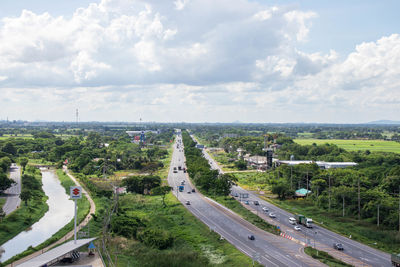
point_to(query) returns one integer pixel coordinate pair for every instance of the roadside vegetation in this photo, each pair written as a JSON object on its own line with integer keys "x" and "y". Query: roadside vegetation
{"x": 148, "y": 234}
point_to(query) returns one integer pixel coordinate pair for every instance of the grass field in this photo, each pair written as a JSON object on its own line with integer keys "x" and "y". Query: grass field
{"x": 355, "y": 145}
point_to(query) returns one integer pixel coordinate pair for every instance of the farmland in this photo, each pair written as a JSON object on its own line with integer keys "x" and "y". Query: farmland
{"x": 355, "y": 145}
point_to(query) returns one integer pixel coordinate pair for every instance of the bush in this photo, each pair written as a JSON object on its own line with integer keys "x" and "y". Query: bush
{"x": 155, "y": 238}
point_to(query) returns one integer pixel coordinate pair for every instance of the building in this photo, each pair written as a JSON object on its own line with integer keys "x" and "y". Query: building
{"x": 321, "y": 164}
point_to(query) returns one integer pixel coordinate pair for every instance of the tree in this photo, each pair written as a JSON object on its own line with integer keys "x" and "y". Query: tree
{"x": 161, "y": 190}
{"x": 282, "y": 189}
{"x": 9, "y": 148}
{"x": 222, "y": 185}
{"x": 23, "y": 162}
{"x": 5, "y": 182}
{"x": 26, "y": 195}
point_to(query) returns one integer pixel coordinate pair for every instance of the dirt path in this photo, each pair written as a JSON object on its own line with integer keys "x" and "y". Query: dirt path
{"x": 69, "y": 234}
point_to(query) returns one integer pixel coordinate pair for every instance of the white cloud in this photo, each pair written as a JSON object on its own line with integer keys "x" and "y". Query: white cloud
{"x": 198, "y": 57}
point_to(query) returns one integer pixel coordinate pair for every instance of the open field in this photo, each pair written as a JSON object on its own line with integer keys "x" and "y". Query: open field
{"x": 355, "y": 145}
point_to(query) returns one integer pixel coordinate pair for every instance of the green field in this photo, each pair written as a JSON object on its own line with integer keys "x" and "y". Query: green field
{"x": 355, "y": 145}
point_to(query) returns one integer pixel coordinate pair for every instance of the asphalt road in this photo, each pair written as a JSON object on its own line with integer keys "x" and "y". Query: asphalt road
{"x": 354, "y": 252}
{"x": 12, "y": 193}
{"x": 268, "y": 249}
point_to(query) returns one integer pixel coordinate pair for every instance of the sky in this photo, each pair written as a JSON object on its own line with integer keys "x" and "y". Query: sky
{"x": 200, "y": 60}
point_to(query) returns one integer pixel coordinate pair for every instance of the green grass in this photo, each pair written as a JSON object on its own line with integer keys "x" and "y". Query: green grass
{"x": 83, "y": 209}
{"x": 23, "y": 217}
{"x": 362, "y": 231}
{"x": 163, "y": 172}
{"x": 355, "y": 145}
{"x": 324, "y": 257}
{"x": 2, "y": 202}
{"x": 194, "y": 244}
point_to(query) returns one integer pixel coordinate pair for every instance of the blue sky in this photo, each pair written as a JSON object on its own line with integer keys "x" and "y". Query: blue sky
{"x": 200, "y": 60}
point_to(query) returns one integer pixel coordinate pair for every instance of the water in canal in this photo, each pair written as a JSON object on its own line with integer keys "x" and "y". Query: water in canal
{"x": 61, "y": 212}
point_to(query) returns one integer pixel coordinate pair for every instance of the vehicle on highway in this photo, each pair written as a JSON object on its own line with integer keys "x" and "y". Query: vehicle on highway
{"x": 174, "y": 168}
{"x": 193, "y": 190}
{"x": 175, "y": 171}
{"x": 189, "y": 192}
{"x": 251, "y": 237}
{"x": 246, "y": 202}
{"x": 272, "y": 215}
{"x": 265, "y": 209}
{"x": 183, "y": 182}
{"x": 297, "y": 228}
{"x": 236, "y": 195}
{"x": 301, "y": 219}
{"x": 256, "y": 202}
{"x": 338, "y": 246}
{"x": 292, "y": 220}
{"x": 187, "y": 202}
{"x": 181, "y": 187}
{"x": 395, "y": 260}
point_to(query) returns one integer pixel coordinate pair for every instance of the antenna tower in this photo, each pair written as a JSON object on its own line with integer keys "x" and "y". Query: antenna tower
{"x": 77, "y": 115}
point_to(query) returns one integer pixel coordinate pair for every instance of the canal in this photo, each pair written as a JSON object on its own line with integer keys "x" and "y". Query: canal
{"x": 61, "y": 212}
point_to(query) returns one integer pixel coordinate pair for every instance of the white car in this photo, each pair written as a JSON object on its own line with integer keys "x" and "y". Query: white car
{"x": 297, "y": 228}
{"x": 272, "y": 215}
{"x": 265, "y": 209}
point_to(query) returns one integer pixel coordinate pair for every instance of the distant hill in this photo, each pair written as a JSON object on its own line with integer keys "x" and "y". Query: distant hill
{"x": 384, "y": 122}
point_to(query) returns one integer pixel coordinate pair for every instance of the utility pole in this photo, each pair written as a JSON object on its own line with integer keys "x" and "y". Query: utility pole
{"x": 307, "y": 185}
{"x": 359, "y": 200}
{"x": 329, "y": 192}
{"x": 377, "y": 223}
{"x": 343, "y": 205}
{"x": 399, "y": 208}
{"x": 291, "y": 177}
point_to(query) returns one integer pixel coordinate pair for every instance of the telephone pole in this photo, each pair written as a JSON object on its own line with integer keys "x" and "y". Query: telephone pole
{"x": 359, "y": 200}
{"x": 329, "y": 192}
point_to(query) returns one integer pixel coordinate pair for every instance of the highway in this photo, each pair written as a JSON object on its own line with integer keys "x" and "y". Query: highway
{"x": 354, "y": 252}
{"x": 267, "y": 249}
{"x": 13, "y": 200}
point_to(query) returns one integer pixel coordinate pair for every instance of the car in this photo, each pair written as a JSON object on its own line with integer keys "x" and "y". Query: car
{"x": 272, "y": 215}
{"x": 297, "y": 228}
{"x": 251, "y": 237}
{"x": 338, "y": 246}
{"x": 265, "y": 209}
{"x": 246, "y": 202}
{"x": 189, "y": 192}
{"x": 187, "y": 202}
{"x": 193, "y": 190}
{"x": 292, "y": 220}
{"x": 175, "y": 171}
{"x": 256, "y": 202}
{"x": 183, "y": 182}
{"x": 236, "y": 195}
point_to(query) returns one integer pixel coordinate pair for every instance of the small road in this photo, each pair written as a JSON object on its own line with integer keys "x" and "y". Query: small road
{"x": 268, "y": 249}
{"x": 354, "y": 253}
{"x": 69, "y": 234}
{"x": 12, "y": 194}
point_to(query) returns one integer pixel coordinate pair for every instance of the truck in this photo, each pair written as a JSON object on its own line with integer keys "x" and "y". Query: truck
{"x": 181, "y": 188}
{"x": 301, "y": 219}
{"x": 395, "y": 260}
